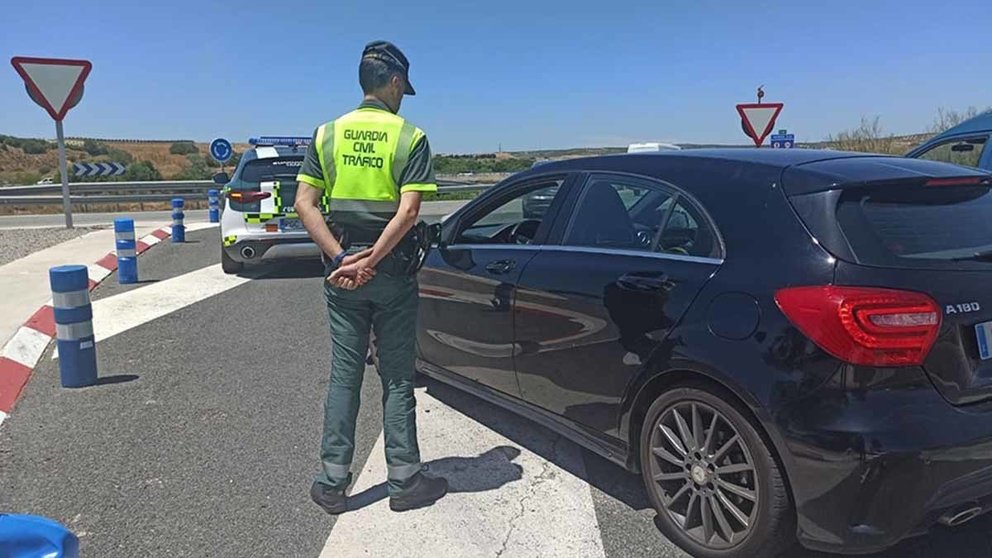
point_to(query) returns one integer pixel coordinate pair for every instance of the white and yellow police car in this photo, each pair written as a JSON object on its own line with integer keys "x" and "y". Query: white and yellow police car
{"x": 258, "y": 222}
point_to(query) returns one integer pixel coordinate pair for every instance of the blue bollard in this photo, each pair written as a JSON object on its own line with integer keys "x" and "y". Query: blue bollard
{"x": 178, "y": 229}
{"x": 213, "y": 203}
{"x": 73, "y": 325}
{"x": 30, "y": 536}
{"x": 127, "y": 251}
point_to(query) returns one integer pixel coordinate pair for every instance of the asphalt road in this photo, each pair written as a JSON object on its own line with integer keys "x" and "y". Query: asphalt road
{"x": 201, "y": 439}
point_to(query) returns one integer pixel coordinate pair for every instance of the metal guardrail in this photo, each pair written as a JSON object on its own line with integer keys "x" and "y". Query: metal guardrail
{"x": 133, "y": 192}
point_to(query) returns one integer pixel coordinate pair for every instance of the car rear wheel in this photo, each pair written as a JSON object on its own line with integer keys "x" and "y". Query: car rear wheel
{"x": 228, "y": 265}
{"x": 712, "y": 479}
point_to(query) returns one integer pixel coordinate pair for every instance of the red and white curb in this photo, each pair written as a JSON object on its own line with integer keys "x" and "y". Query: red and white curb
{"x": 20, "y": 355}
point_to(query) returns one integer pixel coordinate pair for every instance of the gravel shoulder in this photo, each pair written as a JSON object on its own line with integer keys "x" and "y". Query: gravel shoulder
{"x": 17, "y": 243}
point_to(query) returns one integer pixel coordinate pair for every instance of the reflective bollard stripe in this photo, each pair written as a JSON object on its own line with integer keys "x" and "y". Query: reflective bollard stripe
{"x": 73, "y": 299}
{"x": 73, "y": 332}
{"x": 73, "y": 325}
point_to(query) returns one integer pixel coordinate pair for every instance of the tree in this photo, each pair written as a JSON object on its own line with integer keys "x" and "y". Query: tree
{"x": 947, "y": 119}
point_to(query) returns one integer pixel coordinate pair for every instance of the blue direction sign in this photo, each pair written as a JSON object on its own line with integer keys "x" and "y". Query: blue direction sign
{"x": 98, "y": 169}
{"x": 783, "y": 140}
{"x": 221, "y": 150}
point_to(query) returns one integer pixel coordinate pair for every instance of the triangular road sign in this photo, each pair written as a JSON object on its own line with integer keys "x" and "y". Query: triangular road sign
{"x": 55, "y": 84}
{"x": 759, "y": 119}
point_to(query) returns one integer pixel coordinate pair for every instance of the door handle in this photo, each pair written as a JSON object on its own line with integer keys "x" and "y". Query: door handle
{"x": 643, "y": 283}
{"x": 499, "y": 267}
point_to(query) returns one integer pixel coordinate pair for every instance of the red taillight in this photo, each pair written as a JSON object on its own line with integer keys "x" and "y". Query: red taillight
{"x": 241, "y": 196}
{"x": 963, "y": 181}
{"x": 864, "y": 325}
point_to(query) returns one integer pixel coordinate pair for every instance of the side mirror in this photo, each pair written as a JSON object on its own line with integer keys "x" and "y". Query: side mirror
{"x": 221, "y": 178}
{"x": 962, "y": 147}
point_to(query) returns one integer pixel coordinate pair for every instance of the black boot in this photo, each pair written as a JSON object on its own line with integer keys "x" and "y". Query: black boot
{"x": 332, "y": 500}
{"x": 421, "y": 492}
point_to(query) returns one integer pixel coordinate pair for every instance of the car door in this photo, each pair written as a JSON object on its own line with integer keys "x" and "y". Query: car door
{"x": 468, "y": 284}
{"x": 594, "y": 309}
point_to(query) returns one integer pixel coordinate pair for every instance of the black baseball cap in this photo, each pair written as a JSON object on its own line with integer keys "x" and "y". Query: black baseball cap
{"x": 391, "y": 55}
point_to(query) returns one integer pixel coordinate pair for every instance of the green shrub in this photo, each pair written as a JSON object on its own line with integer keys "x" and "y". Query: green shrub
{"x": 34, "y": 146}
{"x": 183, "y": 148}
{"x": 142, "y": 170}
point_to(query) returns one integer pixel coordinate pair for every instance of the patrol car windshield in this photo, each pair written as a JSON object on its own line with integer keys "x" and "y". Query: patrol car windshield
{"x": 263, "y": 170}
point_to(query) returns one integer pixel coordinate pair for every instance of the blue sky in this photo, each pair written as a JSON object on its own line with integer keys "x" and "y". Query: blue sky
{"x": 524, "y": 74}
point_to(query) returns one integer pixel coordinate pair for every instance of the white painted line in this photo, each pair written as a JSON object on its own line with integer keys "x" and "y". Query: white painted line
{"x": 97, "y": 272}
{"x": 3, "y": 417}
{"x": 151, "y": 240}
{"x": 192, "y": 227}
{"x": 26, "y": 347}
{"x": 119, "y": 313}
{"x": 501, "y": 502}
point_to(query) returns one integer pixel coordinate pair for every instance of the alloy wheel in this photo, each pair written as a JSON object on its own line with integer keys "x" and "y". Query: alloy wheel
{"x": 704, "y": 475}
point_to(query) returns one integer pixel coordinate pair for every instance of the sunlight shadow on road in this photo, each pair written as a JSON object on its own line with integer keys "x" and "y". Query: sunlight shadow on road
{"x": 487, "y": 471}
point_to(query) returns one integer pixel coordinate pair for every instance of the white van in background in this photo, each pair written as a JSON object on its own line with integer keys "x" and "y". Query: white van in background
{"x": 652, "y": 146}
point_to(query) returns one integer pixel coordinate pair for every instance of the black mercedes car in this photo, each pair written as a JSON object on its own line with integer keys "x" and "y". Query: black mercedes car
{"x": 784, "y": 343}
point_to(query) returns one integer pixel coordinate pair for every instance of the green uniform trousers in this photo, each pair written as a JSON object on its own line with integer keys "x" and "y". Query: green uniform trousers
{"x": 386, "y": 305}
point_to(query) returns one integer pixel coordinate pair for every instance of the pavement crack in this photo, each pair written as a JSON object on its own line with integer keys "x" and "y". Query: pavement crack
{"x": 547, "y": 472}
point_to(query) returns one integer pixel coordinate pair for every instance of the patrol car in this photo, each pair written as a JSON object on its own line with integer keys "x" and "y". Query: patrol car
{"x": 258, "y": 221}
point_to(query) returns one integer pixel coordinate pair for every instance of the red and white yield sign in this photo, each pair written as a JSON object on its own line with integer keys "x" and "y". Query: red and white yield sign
{"x": 758, "y": 119}
{"x": 54, "y": 84}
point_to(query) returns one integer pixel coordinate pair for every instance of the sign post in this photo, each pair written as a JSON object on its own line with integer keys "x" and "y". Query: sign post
{"x": 55, "y": 85}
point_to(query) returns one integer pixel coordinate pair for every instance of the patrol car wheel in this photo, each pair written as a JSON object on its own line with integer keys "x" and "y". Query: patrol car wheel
{"x": 229, "y": 265}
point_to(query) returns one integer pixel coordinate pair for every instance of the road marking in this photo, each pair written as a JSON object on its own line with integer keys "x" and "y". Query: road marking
{"x": 26, "y": 347}
{"x": 505, "y": 500}
{"x": 128, "y": 310}
{"x": 3, "y": 417}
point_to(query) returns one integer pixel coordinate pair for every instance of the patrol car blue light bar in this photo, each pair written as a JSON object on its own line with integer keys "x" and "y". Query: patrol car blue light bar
{"x": 280, "y": 140}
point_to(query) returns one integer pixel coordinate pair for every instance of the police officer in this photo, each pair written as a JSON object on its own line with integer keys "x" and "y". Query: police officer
{"x": 374, "y": 167}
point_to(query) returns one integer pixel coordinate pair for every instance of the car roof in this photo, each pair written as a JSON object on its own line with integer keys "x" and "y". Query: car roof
{"x": 780, "y": 158}
{"x": 980, "y": 123}
{"x": 800, "y": 170}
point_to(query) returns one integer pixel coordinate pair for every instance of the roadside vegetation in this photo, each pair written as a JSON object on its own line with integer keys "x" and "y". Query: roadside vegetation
{"x": 869, "y": 136}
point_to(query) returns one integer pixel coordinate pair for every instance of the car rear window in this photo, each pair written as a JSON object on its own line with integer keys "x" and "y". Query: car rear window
{"x": 908, "y": 226}
{"x": 264, "y": 170}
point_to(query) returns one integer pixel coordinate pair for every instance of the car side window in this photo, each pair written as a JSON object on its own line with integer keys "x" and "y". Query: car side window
{"x": 513, "y": 220}
{"x": 633, "y": 214}
{"x": 966, "y": 152}
{"x": 620, "y": 213}
{"x": 687, "y": 233}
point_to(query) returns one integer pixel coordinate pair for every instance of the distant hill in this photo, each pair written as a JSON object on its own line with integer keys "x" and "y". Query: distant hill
{"x": 25, "y": 160}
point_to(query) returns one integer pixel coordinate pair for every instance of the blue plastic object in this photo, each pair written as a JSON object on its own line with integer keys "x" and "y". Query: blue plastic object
{"x": 127, "y": 251}
{"x": 213, "y": 203}
{"x": 178, "y": 229}
{"x": 73, "y": 325}
{"x": 30, "y": 536}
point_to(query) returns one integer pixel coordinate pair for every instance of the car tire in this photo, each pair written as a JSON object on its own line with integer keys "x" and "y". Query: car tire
{"x": 228, "y": 265}
{"x": 750, "y": 470}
